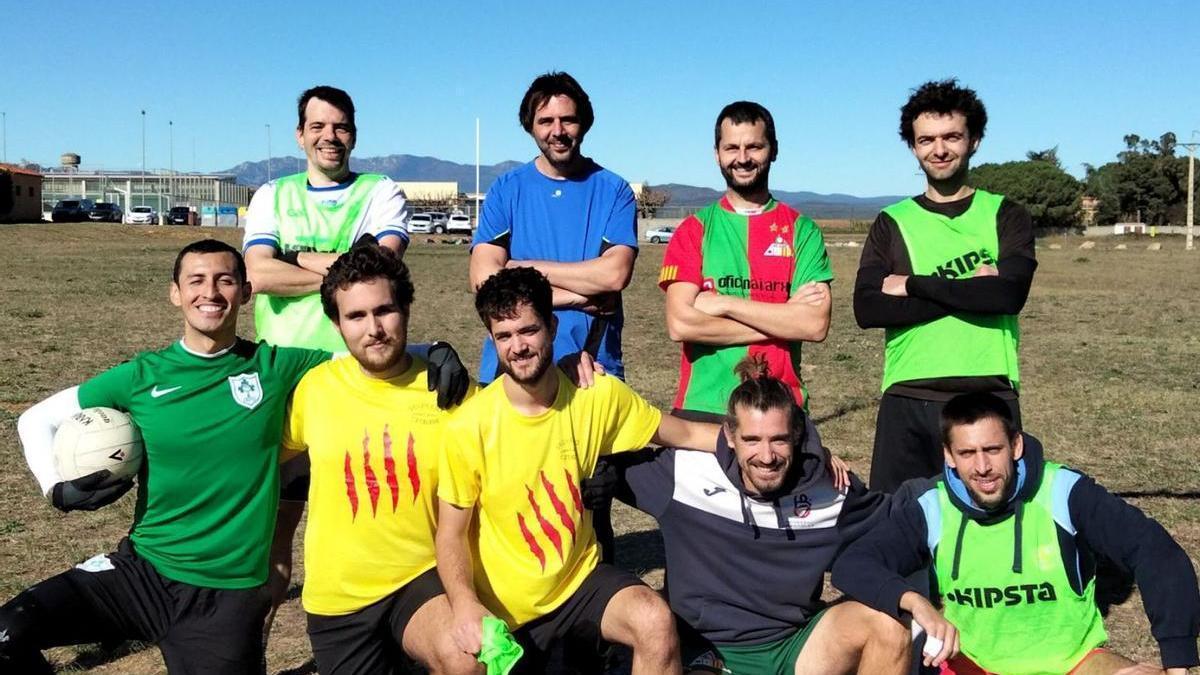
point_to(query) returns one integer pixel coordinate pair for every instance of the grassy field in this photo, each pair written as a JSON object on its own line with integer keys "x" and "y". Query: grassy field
{"x": 1111, "y": 383}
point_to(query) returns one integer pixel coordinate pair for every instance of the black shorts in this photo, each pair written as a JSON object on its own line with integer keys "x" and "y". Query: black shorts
{"x": 577, "y": 620}
{"x": 120, "y": 596}
{"x": 370, "y": 640}
{"x": 908, "y": 440}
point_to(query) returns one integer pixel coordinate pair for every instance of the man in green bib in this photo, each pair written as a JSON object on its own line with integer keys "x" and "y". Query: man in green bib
{"x": 297, "y": 225}
{"x": 1012, "y": 540}
{"x": 945, "y": 273}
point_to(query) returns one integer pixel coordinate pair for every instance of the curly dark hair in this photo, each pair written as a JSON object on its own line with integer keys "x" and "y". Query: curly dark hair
{"x": 331, "y": 95}
{"x": 943, "y": 97}
{"x": 504, "y": 291}
{"x": 363, "y": 263}
{"x": 762, "y": 391}
{"x": 548, "y": 86}
{"x": 747, "y": 112}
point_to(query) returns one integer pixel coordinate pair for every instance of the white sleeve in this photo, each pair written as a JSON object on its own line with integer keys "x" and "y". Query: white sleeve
{"x": 36, "y": 428}
{"x": 261, "y": 227}
{"x": 387, "y": 212}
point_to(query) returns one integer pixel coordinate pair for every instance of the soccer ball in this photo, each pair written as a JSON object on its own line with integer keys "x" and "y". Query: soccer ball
{"x": 95, "y": 439}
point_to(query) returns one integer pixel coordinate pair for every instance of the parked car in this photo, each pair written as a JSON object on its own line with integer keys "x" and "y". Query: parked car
{"x": 420, "y": 223}
{"x": 437, "y": 217}
{"x": 106, "y": 212}
{"x": 142, "y": 215}
{"x": 659, "y": 235}
{"x": 459, "y": 224}
{"x": 72, "y": 210}
{"x": 180, "y": 215}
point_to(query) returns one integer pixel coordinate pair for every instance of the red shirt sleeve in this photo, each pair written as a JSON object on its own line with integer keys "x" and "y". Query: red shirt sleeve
{"x": 683, "y": 260}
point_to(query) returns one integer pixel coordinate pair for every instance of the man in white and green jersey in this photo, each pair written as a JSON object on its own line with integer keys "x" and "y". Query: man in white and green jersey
{"x": 297, "y": 225}
{"x": 190, "y": 574}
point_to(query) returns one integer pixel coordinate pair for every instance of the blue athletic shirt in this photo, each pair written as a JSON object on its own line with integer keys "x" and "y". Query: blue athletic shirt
{"x": 536, "y": 217}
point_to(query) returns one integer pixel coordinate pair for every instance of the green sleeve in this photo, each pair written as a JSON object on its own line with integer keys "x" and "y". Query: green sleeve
{"x": 812, "y": 260}
{"x": 109, "y": 389}
{"x": 296, "y": 362}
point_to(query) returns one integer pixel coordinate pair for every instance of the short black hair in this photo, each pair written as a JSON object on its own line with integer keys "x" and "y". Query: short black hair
{"x": 331, "y": 95}
{"x": 503, "y": 292}
{"x": 943, "y": 97}
{"x": 363, "y": 263}
{"x": 546, "y": 87}
{"x": 747, "y": 112}
{"x": 759, "y": 390}
{"x": 967, "y": 409}
{"x": 210, "y": 246}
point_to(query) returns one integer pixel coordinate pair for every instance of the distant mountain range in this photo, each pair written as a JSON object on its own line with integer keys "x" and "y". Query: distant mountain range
{"x": 414, "y": 168}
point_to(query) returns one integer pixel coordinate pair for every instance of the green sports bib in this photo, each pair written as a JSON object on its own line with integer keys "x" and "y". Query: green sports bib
{"x": 1030, "y": 622}
{"x": 962, "y": 344}
{"x": 308, "y": 225}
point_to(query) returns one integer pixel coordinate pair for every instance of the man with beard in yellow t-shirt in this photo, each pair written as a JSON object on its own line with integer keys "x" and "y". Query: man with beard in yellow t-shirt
{"x": 373, "y": 433}
{"x": 514, "y": 456}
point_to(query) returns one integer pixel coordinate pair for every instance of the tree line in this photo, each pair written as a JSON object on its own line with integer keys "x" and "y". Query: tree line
{"x": 1146, "y": 183}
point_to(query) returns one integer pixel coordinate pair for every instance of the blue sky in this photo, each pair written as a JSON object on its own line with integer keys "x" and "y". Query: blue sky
{"x": 1076, "y": 75}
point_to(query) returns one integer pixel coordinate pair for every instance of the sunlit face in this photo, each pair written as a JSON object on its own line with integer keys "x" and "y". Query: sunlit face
{"x": 524, "y": 344}
{"x": 209, "y": 292}
{"x": 373, "y": 326}
{"x": 744, "y": 156}
{"x": 557, "y": 131}
{"x": 942, "y": 145}
{"x": 762, "y": 444}
{"x": 985, "y": 460}
{"x": 326, "y": 138}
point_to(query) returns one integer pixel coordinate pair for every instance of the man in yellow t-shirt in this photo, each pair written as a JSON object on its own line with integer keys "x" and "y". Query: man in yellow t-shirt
{"x": 373, "y": 433}
{"x": 514, "y": 456}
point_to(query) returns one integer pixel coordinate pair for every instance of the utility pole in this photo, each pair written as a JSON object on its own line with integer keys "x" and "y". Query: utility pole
{"x": 4, "y": 126}
{"x": 477, "y": 172}
{"x": 268, "y": 153}
{"x": 171, "y": 166}
{"x": 1191, "y": 213}
{"x": 143, "y": 156}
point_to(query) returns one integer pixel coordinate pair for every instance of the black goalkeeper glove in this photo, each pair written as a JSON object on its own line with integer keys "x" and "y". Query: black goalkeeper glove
{"x": 88, "y": 493}
{"x": 596, "y": 491}
{"x": 446, "y": 374}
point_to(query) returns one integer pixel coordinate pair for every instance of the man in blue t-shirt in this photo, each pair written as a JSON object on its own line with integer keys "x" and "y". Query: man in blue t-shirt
{"x": 569, "y": 218}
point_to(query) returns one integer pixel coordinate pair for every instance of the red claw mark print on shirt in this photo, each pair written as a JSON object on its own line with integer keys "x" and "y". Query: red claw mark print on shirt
{"x": 369, "y": 473}
{"x": 370, "y": 480}
{"x": 564, "y": 515}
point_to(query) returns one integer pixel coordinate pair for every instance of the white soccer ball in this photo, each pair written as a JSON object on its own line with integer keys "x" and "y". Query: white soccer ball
{"x": 95, "y": 439}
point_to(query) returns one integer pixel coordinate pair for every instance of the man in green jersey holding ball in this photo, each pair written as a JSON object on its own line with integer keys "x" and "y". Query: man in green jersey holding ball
{"x": 190, "y": 574}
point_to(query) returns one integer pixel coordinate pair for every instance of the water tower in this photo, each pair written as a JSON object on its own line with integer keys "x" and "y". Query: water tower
{"x": 69, "y": 161}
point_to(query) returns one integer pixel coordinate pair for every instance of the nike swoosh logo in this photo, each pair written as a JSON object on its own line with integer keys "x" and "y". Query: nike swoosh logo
{"x": 155, "y": 392}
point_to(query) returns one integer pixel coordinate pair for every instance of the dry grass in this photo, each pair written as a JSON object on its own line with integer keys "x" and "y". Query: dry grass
{"x": 1109, "y": 350}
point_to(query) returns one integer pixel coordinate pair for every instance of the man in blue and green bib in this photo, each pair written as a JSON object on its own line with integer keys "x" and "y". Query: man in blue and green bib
{"x": 1012, "y": 540}
{"x": 945, "y": 274}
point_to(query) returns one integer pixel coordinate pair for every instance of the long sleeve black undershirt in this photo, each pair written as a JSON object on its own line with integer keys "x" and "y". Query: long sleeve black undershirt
{"x": 933, "y": 297}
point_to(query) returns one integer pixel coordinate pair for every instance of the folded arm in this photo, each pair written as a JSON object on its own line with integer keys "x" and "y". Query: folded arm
{"x": 686, "y": 323}
{"x": 805, "y": 316}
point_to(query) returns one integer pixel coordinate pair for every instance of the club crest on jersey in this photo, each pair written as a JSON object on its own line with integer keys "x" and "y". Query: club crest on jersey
{"x": 778, "y": 249}
{"x": 247, "y": 390}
